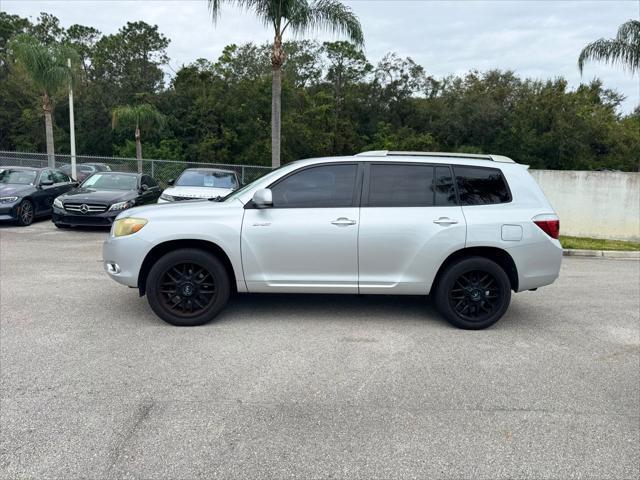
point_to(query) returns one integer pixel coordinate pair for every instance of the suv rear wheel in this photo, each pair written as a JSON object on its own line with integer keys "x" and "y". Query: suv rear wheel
{"x": 473, "y": 293}
{"x": 187, "y": 287}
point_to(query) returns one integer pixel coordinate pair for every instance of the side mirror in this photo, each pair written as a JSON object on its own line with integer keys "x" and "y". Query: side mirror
{"x": 171, "y": 181}
{"x": 263, "y": 198}
{"x": 46, "y": 183}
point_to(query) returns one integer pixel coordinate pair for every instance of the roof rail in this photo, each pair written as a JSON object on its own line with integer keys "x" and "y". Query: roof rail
{"x": 475, "y": 156}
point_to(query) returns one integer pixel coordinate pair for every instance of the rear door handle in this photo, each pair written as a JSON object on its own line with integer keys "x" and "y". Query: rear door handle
{"x": 343, "y": 222}
{"x": 445, "y": 221}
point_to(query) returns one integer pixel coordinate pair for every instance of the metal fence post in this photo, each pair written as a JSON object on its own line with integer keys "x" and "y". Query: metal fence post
{"x": 153, "y": 168}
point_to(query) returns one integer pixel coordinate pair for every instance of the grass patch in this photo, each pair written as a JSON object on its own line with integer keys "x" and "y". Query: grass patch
{"x": 597, "y": 244}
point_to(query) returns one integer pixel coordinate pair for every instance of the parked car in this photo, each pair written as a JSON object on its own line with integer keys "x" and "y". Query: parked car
{"x": 465, "y": 229}
{"x": 200, "y": 183}
{"x": 102, "y": 196}
{"x": 85, "y": 170}
{"x": 28, "y": 193}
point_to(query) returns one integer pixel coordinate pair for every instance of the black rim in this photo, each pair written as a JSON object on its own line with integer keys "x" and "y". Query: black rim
{"x": 26, "y": 213}
{"x": 475, "y": 296}
{"x": 187, "y": 289}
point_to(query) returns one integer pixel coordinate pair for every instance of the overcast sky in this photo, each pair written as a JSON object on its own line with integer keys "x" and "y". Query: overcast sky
{"x": 538, "y": 39}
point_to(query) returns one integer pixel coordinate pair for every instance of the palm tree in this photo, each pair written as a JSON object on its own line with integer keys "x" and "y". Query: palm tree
{"x": 46, "y": 65}
{"x": 624, "y": 49}
{"x": 298, "y": 16}
{"x": 139, "y": 116}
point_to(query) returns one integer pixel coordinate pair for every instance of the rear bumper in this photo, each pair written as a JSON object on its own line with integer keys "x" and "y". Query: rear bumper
{"x": 538, "y": 264}
{"x": 62, "y": 217}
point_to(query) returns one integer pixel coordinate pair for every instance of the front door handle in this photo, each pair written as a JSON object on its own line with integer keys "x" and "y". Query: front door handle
{"x": 445, "y": 221}
{"x": 343, "y": 222}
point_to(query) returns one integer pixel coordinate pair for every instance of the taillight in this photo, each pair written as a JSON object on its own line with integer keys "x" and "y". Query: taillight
{"x": 550, "y": 224}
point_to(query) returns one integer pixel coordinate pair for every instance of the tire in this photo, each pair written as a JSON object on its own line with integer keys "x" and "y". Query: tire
{"x": 473, "y": 293}
{"x": 187, "y": 287}
{"x": 25, "y": 213}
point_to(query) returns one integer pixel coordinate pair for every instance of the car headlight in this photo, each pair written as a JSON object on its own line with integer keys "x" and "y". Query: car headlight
{"x": 8, "y": 199}
{"x": 121, "y": 205}
{"x": 167, "y": 197}
{"x": 58, "y": 203}
{"x": 128, "y": 226}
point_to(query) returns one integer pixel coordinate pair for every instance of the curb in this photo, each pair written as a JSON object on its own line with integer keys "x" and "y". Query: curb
{"x": 602, "y": 253}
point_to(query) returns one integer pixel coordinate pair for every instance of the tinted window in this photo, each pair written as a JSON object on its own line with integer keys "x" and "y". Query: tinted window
{"x": 59, "y": 177}
{"x": 445, "y": 192}
{"x": 149, "y": 182}
{"x": 46, "y": 176}
{"x": 323, "y": 186}
{"x": 401, "y": 186}
{"x": 481, "y": 186}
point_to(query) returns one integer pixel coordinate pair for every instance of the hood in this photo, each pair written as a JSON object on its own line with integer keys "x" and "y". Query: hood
{"x": 186, "y": 210}
{"x": 106, "y": 197}
{"x": 15, "y": 189}
{"x": 197, "y": 192}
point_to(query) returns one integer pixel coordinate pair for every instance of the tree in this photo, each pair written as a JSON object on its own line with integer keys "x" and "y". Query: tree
{"x": 140, "y": 116}
{"x": 624, "y": 49}
{"x": 298, "y": 16}
{"x": 47, "y": 67}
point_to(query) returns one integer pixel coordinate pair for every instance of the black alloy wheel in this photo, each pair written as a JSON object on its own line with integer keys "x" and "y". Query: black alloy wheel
{"x": 473, "y": 293}
{"x": 187, "y": 287}
{"x": 26, "y": 213}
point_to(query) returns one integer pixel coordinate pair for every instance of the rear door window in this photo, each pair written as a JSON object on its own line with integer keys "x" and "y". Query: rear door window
{"x": 481, "y": 185}
{"x": 445, "y": 192}
{"x": 401, "y": 185}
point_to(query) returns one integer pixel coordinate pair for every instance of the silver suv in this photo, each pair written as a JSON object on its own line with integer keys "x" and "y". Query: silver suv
{"x": 464, "y": 229}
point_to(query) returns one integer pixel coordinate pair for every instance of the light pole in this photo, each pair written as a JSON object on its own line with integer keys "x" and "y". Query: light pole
{"x": 72, "y": 127}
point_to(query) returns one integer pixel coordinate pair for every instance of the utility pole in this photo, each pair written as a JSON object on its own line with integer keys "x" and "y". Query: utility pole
{"x": 72, "y": 126}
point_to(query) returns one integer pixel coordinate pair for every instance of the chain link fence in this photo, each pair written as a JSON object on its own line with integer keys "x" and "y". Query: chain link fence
{"x": 161, "y": 170}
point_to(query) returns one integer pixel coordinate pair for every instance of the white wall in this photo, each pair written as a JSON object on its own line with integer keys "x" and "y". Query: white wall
{"x": 594, "y": 204}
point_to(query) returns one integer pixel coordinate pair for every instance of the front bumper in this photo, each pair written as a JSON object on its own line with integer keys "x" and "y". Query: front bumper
{"x": 9, "y": 211}
{"x": 63, "y": 217}
{"x": 127, "y": 254}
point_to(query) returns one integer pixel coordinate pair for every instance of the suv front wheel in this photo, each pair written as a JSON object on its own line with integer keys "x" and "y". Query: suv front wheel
{"x": 473, "y": 293}
{"x": 187, "y": 287}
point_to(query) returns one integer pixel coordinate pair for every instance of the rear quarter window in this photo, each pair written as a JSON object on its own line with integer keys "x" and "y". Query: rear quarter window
{"x": 481, "y": 185}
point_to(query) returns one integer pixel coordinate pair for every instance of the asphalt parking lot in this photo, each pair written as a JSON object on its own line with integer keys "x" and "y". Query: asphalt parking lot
{"x": 93, "y": 385}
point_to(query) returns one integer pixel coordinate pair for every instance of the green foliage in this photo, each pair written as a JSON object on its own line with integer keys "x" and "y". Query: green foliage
{"x": 582, "y": 243}
{"x": 623, "y": 50}
{"x": 300, "y": 16}
{"x": 334, "y": 102}
{"x": 46, "y": 64}
{"x": 141, "y": 116}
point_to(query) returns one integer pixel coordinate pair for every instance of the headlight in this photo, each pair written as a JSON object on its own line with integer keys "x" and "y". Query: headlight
{"x": 128, "y": 226}
{"x": 58, "y": 203}
{"x": 8, "y": 199}
{"x": 167, "y": 197}
{"x": 121, "y": 205}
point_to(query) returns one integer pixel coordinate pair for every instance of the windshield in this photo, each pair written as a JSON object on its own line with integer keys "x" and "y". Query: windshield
{"x": 20, "y": 177}
{"x": 207, "y": 178}
{"x": 249, "y": 186}
{"x": 111, "y": 181}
